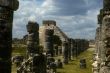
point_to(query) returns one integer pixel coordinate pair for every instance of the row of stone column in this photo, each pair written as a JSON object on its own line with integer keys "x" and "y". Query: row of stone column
{"x": 78, "y": 46}
{"x": 73, "y": 48}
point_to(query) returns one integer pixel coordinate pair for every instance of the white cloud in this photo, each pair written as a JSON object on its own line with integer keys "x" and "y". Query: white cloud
{"x": 75, "y": 25}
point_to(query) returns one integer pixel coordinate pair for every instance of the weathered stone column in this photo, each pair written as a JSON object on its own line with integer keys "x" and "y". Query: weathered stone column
{"x": 97, "y": 40}
{"x": 104, "y": 38}
{"x": 69, "y": 48}
{"x": 59, "y": 50}
{"x": 38, "y": 62}
{"x": 7, "y": 8}
{"x": 105, "y": 12}
{"x": 98, "y": 56}
{"x": 65, "y": 51}
{"x": 105, "y": 54}
{"x": 56, "y": 49}
{"x": 73, "y": 49}
{"x": 81, "y": 44}
{"x": 49, "y": 41}
{"x": 33, "y": 38}
{"x": 106, "y": 4}
{"x": 76, "y": 47}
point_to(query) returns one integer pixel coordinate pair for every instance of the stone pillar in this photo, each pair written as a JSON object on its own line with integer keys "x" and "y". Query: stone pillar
{"x": 105, "y": 12}
{"x": 65, "y": 51}
{"x": 38, "y": 61}
{"x": 69, "y": 49}
{"x": 82, "y": 45}
{"x": 33, "y": 38}
{"x": 99, "y": 44}
{"x": 97, "y": 52}
{"x": 78, "y": 46}
{"x": 106, "y": 4}
{"x": 97, "y": 40}
{"x": 103, "y": 48}
{"x": 56, "y": 49}
{"x": 7, "y": 8}
{"x": 106, "y": 36}
{"x": 105, "y": 53}
{"x": 72, "y": 48}
{"x": 59, "y": 50}
{"x": 49, "y": 41}
{"x": 75, "y": 47}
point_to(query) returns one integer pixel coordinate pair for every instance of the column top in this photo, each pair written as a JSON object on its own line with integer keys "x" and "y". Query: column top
{"x": 10, "y": 4}
{"x": 106, "y": 4}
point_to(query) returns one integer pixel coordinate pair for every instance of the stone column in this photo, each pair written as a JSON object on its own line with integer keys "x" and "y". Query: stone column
{"x": 69, "y": 49}
{"x": 105, "y": 12}
{"x": 7, "y": 8}
{"x": 49, "y": 41}
{"x": 33, "y": 38}
{"x": 38, "y": 64}
{"x": 56, "y": 49}
{"x": 106, "y": 36}
{"x": 96, "y": 40}
{"x": 65, "y": 51}
{"x": 104, "y": 21}
{"x": 82, "y": 45}
{"x": 76, "y": 47}
{"x": 72, "y": 48}
{"x": 105, "y": 53}
{"x": 106, "y": 4}
{"x": 59, "y": 50}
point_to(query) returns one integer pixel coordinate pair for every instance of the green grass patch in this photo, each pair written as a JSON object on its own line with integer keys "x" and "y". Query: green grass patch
{"x": 73, "y": 66}
{"x": 19, "y": 51}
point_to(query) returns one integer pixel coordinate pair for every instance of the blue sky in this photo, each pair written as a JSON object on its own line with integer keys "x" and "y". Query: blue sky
{"x": 77, "y": 18}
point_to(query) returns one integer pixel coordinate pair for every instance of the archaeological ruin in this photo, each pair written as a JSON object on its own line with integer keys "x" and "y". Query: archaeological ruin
{"x": 46, "y": 48}
{"x": 102, "y": 61}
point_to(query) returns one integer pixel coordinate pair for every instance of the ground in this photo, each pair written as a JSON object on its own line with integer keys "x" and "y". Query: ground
{"x": 73, "y": 66}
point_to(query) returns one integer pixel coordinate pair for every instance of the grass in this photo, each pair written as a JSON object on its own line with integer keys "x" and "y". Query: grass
{"x": 19, "y": 51}
{"x": 72, "y": 67}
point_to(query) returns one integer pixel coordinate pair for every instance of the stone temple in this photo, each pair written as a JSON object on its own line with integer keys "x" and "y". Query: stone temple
{"x": 51, "y": 24}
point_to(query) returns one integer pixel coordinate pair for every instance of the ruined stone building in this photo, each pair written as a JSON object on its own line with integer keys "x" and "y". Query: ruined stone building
{"x": 50, "y": 24}
{"x": 82, "y": 44}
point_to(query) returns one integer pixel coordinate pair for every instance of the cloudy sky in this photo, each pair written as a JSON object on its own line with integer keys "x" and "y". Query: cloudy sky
{"x": 77, "y": 18}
